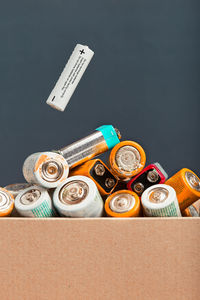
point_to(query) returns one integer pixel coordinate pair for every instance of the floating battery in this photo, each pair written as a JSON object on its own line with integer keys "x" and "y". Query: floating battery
{"x": 34, "y": 201}
{"x": 70, "y": 77}
{"x": 123, "y": 203}
{"x": 187, "y": 187}
{"x": 151, "y": 175}
{"x": 47, "y": 169}
{"x": 6, "y": 203}
{"x": 103, "y": 139}
{"x": 99, "y": 173}
{"x": 160, "y": 200}
{"x": 16, "y": 188}
{"x": 78, "y": 197}
{"x": 127, "y": 159}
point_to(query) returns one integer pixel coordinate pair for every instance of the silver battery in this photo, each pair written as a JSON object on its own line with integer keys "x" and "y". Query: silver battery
{"x": 34, "y": 201}
{"x": 78, "y": 197}
{"x": 70, "y": 77}
{"x": 90, "y": 146}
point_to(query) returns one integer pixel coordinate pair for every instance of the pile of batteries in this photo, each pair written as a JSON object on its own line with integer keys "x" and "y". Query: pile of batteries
{"x": 70, "y": 183}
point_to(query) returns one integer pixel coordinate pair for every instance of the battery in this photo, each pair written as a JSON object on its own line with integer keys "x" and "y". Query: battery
{"x": 187, "y": 187}
{"x": 78, "y": 197}
{"x": 190, "y": 211}
{"x": 123, "y": 203}
{"x": 6, "y": 203}
{"x": 34, "y": 201}
{"x": 127, "y": 159}
{"x": 16, "y": 188}
{"x": 99, "y": 173}
{"x": 47, "y": 169}
{"x": 151, "y": 175}
{"x": 101, "y": 140}
{"x": 160, "y": 200}
{"x": 70, "y": 77}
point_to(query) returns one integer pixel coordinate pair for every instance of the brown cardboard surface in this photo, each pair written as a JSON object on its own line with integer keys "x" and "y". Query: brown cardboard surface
{"x": 142, "y": 258}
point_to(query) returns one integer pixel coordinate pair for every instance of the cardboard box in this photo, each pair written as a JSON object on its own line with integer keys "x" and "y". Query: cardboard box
{"x": 141, "y": 258}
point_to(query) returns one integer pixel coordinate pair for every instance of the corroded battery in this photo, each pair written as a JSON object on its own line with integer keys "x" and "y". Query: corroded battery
{"x": 187, "y": 187}
{"x": 70, "y": 77}
{"x": 47, "y": 169}
{"x": 16, "y": 188}
{"x": 160, "y": 200}
{"x": 6, "y": 203}
{"x": 123, "y": 203}
{"x": 99, "y": 173}
{"x": 78, "y": 197}
{"x": 34, "y": 201}
{"x": 151, "y": 175}
{"x": 102, "y": 139}
{"x": 127, "y": 159}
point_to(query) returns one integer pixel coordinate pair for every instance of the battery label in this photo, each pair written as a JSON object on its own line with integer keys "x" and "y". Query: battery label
{"x": 43, "y": 210}
{"x": 170, "y": 210}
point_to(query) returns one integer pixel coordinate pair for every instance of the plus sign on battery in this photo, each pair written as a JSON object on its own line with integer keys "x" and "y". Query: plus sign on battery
{"x": 82, "y": 51}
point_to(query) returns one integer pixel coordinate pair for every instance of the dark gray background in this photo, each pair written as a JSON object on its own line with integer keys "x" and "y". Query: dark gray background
{"x": 143, "y": 78}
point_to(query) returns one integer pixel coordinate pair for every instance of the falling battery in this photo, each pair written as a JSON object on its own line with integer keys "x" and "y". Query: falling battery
{"x": 34, "y": 201}
{"x": 127, "y": 159}
{"x": 78, "y": 197}
{"x": 160, "y": 201}
{"x": 47, "y": 169}
{"x": 187, "y": 187}
{"x": 70, "y": 77}
{"x": 6, "y": 203}
{"x": 151, "y": 175}
{"x": 99, "y": 173}
{"x": 101, "y": 140}
{"x": 123, "y": 203}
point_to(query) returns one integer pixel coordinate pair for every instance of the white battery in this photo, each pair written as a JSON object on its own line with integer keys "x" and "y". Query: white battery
{"x": 16, "y": 188}
{"x": 47, "y": 169}
{"x": 78, "y": 197}
{"x": 70, "y": 77}
{"x": 160, "y": 200}
{"x": 34, "y": 201}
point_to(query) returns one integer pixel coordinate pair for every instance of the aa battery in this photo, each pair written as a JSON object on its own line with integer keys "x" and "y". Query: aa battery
{"x": 151, "y": 175}
{"x": 187, "y": 187}
{"x": 47, "y": 169}
{"x": 190, "y": 211}
{"x": 101, "y": 140}
{"x": 34, "y": 201}
{"x": 99, "y": 173}
{"x": 123, "y": 203}
{"x": 127, "y": 159}
{"x": 160, "y": 200}
{"x": 16, "y": 188}
{"x": 6, "y": 203}
{"x": 70, "y": 77}
{"x": 78, "y": 197}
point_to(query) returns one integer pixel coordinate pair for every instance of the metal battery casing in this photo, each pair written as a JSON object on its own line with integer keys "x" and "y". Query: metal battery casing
{"x": 103, "y": 139}
{"x": 151, "y": 175}
{"x": 78, "y": 197}
{"x": 6, "y": 203}
{"x": 187, "y": 186}
{"x": 34, "y": 201}
{"x": 123, "y": 203}
{"x": 160, "y": 200}
{"x": 16, "y": 188}
{"x": 47, "y": 169}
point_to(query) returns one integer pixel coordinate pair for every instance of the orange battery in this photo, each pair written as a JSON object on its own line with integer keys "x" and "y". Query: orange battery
{"x": 187, "y": 187}
{"x": 122, "y": 204}
{"x": 6, "y": 203}
{"x": 99, "y": 173}
{"x": 192, "y": 210}
{"x": 127, "y": 159}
